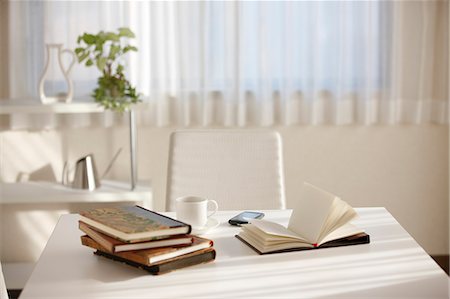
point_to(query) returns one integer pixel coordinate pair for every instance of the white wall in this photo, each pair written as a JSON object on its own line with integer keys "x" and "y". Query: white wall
{"x": 404, "y": 168}
{"x": 401, "y": 168}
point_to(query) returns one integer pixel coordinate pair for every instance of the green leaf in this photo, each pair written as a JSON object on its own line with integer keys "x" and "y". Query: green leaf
{"x": 119, "y": 69}
{"x": 89, "y": 39}
{"x": 101, "y": 63}
{"x": 101, "y": 35}
{"x": 99, "y": 45}
{"x": 111, "y": 36}
{"x": 79, "y": 50}
{"x": 129, "y": 48}
{"x": 114, "y": 49}
{"x": 126, "y": 32}
{"x": 82, "y": 56}
{"x": 89, "y": 62}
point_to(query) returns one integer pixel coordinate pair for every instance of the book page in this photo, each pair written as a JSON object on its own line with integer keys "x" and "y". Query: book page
{"x": 310, "y": 212}
{"x": 344, "y": 231}
{"x": 340, "y": 214}
{"x": 274, "y": 229}
{"x": 264, "y": 248}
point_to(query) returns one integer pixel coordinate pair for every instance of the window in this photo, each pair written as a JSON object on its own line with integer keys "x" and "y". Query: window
{"x": 263, "y": 63}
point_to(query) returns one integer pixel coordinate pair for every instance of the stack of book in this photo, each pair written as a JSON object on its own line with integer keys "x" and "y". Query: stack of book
{"x": 143, "y": 238}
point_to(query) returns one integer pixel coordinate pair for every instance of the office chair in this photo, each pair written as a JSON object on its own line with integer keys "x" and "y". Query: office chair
{"x": 240, "y": 169}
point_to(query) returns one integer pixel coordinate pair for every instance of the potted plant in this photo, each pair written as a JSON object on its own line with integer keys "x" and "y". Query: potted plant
{"x": 105, "y": 50}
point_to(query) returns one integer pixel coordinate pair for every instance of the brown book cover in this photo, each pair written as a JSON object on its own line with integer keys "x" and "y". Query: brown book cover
{"x": 113, "y": 245}
{"x": 361, "y": 238}
{"x": 133, "y": 223}
{"x": 153, "y": 256}
{"x": 187, "y": 260}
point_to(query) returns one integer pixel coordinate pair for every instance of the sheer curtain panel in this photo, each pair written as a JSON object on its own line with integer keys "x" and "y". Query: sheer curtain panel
{"x": 230, "y": 63}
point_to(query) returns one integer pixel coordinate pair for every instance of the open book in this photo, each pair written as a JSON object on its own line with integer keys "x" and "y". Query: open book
{"x": 319, "y": 219}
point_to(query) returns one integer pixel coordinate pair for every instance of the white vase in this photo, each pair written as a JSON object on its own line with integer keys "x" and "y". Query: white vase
{"x": 55, "y": 84}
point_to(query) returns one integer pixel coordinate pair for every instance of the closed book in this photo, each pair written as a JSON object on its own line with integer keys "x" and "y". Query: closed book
{"x": 133, "y": 223}
{"x": 153, "y": 256}
{"x": 113, "y": 245}
{"x": 187, "y": 260}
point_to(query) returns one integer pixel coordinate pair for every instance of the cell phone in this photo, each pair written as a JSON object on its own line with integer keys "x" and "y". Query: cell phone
{"x": 243, "y": 217}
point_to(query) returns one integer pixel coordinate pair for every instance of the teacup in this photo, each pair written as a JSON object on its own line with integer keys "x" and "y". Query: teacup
{"x": 194, "y": 210}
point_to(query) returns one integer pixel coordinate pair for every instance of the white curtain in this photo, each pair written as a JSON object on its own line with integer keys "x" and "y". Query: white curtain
{"x": 255, "y": 63}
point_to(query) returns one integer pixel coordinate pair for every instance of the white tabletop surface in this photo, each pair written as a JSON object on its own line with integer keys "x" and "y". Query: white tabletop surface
{"x": 392, "y": 266}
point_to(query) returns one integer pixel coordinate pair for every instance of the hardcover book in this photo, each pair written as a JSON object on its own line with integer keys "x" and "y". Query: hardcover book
{"x": 319, "y": 219}
{"x": 113, "y": 245}
{"x": 133, "y": 223}
{"x": 187, "y": 260}
{"x": 153, "y": 256}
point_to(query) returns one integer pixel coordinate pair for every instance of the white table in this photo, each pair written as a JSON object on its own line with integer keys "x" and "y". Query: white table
{"x": 392, "y": 266}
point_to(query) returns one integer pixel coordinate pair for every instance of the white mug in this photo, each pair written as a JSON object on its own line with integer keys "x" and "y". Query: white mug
{"x": 194, "y": 210}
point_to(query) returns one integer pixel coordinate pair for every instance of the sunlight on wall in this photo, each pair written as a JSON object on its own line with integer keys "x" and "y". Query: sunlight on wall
{"x": 37, "y": 224}
{"x": 28, "y": 154}
{"x": 25, "y": 231}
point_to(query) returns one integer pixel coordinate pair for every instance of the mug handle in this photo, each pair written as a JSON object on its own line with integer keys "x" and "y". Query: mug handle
{"x": 216, "y": 207}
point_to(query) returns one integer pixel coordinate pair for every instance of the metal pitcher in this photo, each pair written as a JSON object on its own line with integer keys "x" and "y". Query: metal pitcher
{"x": 85, "y": 176}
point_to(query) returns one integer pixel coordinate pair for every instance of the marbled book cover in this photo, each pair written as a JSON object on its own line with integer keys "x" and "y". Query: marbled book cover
{"x": 131, "y": 219}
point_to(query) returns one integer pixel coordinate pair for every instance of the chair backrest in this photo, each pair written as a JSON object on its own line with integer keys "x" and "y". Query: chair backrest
{"x": 3, "y": 291}
{"x": 240, "y": 169}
